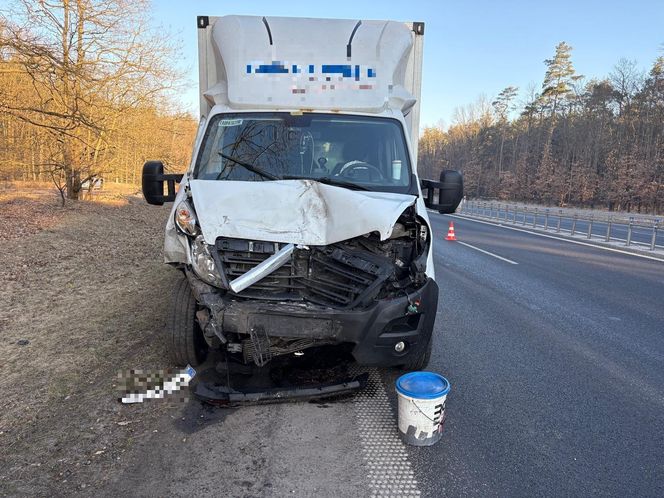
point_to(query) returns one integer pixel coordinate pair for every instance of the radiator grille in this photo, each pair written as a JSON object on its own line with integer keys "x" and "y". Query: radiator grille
{"x": 334, "y": 276}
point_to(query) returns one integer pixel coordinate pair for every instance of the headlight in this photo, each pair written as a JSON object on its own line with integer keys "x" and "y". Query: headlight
{"x": 185, "y": 218}
{"x": 203, "y": 264}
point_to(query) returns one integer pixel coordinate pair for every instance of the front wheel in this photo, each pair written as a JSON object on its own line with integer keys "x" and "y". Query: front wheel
{"x": 420, "y": 361}
{"x": 184, "y": 337}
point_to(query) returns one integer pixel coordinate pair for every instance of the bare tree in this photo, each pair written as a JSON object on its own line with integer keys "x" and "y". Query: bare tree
{"x": 626, "y": 79}
{"x": 503, "y": 105}
{"x": 87, "y": 62}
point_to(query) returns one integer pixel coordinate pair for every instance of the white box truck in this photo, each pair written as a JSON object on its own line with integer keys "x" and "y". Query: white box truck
{"x": 300, "y": 221}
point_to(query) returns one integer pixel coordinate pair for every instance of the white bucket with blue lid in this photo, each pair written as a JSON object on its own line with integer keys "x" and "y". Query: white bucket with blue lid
{"x": 422, "y": 407}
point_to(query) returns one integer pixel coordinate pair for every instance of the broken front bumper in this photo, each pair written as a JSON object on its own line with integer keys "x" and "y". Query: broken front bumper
{"x": 373, "y": 331}
{"x": 222, "y": 395}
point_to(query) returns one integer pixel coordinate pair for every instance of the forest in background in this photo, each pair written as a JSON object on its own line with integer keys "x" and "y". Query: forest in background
{"x": 595, "y": 143}
{"x": 87, "y": 89}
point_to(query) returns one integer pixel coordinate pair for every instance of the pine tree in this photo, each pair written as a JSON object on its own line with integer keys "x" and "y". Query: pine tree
{"x": 502, "y": 106}
{"x": 559, "y": 78}
{"x": 557, "y": 87}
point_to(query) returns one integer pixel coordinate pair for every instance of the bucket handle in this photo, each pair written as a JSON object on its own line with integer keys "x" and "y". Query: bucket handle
{"x": 425, "y": 415}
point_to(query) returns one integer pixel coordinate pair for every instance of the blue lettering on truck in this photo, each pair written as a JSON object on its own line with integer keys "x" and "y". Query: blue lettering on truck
{"x": 345, "y": 70}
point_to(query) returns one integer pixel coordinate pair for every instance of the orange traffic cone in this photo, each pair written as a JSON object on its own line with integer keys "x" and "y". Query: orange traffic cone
{"x": 450, "y": 232}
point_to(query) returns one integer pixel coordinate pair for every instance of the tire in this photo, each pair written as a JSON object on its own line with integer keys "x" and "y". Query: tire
{"x": 184, "y": 337}
{"x": 420, "y": 361}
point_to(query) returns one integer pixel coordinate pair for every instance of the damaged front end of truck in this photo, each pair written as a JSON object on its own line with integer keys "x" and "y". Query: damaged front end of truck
{"x": 300, "y": 221}
{"x": 320, "y": 283}
{"x": 369, "y": 293}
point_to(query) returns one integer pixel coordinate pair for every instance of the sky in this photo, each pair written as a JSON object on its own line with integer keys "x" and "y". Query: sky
{"x": 470, "y": 47}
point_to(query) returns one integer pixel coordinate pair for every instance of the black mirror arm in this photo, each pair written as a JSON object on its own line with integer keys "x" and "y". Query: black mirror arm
{"x": 450, "y": 191}
{"x": 171, "y": 179}
{"x": 153, "y": 179}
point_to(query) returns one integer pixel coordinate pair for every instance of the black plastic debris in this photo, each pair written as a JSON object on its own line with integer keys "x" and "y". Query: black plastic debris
{"x": 320, "y": 373}
{"x": 219, "y": 394}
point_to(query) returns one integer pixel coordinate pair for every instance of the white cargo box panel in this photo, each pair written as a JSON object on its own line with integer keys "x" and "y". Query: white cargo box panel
{"x": 279, "y": 63}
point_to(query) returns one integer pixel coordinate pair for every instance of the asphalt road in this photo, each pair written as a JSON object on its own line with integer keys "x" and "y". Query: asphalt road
{"x": 555, "y": 354}
{"x": 556, "y": 364}
{"x": 641, "y": 235}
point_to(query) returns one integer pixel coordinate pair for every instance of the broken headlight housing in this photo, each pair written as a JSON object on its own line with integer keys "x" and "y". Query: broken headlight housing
{"x": 203, "y": 263}
{"x": 185, "y": 218}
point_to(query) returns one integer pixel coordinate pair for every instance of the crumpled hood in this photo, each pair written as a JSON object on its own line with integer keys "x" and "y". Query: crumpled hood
{"x": 302, "y": 212}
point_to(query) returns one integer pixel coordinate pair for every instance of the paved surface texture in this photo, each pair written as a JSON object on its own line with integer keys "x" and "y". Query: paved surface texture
{"x": 556, "y": 365}
{"x": 557, "y": 372}
{"x": 302, "y": 449}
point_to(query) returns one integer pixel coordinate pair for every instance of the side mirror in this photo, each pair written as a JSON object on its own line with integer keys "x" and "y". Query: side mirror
{"x": 451, "y": 191}
{"x": 153, "y": 179}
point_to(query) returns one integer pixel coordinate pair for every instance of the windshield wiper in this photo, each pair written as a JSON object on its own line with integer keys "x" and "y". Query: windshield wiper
{"x": 328, "y": 180}
{"x": 250, "y": 167}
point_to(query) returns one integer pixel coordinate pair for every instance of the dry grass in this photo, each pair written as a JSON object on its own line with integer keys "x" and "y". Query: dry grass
{"x": 86, "y": 286}
{"x": 29, "y": 207}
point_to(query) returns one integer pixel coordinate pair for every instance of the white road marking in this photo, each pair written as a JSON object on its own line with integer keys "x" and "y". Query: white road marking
{"x": 488, "y": 253}
{"x": 389, "y": 470}
{"x": 558, "y": 238}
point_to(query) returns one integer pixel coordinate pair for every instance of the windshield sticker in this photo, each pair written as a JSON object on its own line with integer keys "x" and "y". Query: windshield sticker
{"x": 230, "y": 122}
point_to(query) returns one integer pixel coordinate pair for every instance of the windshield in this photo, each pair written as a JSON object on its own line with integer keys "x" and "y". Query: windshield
{"x": 349, "y": 151}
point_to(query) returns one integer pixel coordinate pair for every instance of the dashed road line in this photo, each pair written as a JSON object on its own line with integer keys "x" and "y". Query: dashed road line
{"x": 487, "y": 252}
{"x": 389, "y": 470}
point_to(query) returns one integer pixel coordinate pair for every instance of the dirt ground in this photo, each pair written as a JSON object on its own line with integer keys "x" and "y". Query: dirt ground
{"x": 83, "y": 296}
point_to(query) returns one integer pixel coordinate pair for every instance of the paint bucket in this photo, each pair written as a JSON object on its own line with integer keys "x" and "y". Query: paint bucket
{"x": 421, "y": 407}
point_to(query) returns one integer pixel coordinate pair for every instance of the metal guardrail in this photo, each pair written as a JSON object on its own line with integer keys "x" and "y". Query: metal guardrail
{"x": 549, "y": 219}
